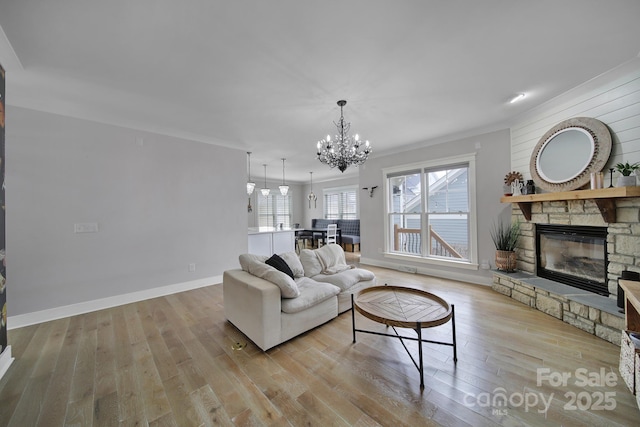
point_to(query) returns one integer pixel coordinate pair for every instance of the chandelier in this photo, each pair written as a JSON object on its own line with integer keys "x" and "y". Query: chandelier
{"x": 344, "y": 150}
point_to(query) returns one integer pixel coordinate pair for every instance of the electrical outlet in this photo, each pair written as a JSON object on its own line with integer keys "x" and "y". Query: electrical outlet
{"x": 85, "y": 227}
{"x": 192, "y": 267}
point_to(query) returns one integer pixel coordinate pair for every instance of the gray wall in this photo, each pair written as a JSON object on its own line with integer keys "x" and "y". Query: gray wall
{"x": 160, "y": 202}
{"x": 492, "y": 164}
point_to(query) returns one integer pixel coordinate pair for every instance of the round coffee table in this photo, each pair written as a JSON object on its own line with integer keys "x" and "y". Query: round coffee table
{"x": 403, "y": 307}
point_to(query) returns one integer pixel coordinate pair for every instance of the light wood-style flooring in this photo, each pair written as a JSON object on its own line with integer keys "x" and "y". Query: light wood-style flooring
{"x": 170, "y": 361}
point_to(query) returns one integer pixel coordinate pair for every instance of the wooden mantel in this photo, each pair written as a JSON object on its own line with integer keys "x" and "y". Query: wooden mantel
{"x": 604, "y": 198}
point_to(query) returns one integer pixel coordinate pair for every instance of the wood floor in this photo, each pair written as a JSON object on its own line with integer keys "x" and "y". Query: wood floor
{"x": 170, "y": 361}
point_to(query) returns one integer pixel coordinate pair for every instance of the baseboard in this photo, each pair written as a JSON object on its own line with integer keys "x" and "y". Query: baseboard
{"x": 5, "y": 360}
{"x": 461, "y": 277}
{"x": 35, "y": 317}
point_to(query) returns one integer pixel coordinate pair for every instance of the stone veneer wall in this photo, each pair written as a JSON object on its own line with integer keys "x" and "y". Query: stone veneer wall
{"x": 623, "y": 240}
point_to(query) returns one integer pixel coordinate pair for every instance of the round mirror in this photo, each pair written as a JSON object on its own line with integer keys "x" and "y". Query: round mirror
{"x": 566, "y": 155}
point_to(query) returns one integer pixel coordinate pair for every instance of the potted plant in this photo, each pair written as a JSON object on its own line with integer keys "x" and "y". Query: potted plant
{"x": 505, "y": 238}
{"x": 626, "y": 169}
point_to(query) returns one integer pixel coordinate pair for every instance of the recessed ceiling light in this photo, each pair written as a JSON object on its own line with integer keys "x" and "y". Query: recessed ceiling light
{"x": 517, "y": 98}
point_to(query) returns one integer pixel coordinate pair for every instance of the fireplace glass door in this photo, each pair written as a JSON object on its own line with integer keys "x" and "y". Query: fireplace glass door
{"x": 574, "y": 255}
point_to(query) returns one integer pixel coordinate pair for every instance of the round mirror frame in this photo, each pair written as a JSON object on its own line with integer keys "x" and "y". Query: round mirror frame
{"x": 579, "y": 178}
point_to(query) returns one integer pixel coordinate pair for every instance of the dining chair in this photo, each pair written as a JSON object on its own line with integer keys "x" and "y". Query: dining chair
{"x": 301, "y": 238}
{"x": 332, "y": 234}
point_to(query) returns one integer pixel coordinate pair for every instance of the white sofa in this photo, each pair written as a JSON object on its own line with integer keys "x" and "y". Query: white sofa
{"x": 254, "y": 301}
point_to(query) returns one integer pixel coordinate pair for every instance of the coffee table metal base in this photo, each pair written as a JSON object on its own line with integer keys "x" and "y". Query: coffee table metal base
{"x": 418, "y": 328}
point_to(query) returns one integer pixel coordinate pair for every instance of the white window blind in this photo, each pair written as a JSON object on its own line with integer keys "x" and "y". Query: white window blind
{"x": 340, "y": 203}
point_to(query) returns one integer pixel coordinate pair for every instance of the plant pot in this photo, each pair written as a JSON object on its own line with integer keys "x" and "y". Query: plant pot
{"x": 506, "y": 260}
{"x": 626, "y": 181}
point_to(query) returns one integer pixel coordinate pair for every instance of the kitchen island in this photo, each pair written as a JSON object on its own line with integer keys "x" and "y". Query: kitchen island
{"x": 271, "y": 240}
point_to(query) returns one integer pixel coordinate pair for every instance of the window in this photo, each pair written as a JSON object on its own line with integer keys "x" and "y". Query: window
{"x": 273, "y": 210}
{"x": 430, "y": 210}
{"x": 340, "y": 203}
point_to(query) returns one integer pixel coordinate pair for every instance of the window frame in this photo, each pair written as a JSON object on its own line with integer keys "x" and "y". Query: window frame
{"x": 424, "y": 167}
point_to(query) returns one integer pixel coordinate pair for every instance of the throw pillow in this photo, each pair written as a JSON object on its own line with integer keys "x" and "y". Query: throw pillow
{"x": 292, "y": 260}
{"x": 279, "y": 264}
{"x": 249, "y": 262}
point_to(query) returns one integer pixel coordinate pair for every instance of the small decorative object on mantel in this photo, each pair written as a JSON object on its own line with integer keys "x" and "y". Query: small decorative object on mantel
{"x": 505, "y": 238}
{"x": 530, "y": 187}
{"x": 509, "y": 180}
{"x": 611, "y": 177}
{"x": 628, "y": 178}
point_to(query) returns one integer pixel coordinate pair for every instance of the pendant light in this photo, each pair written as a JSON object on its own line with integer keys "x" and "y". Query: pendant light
{"x": 250, "y": 184}
{"x": 284, "y": 188}
{"x": 312, "y": 197}
{"x": 265, "y": 191}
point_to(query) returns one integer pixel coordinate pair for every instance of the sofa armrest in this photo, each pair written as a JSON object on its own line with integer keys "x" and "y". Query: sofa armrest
{"x": 253, "y": 305}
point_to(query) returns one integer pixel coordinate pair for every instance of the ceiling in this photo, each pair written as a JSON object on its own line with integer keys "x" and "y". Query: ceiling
{"x": 265, "y": 76}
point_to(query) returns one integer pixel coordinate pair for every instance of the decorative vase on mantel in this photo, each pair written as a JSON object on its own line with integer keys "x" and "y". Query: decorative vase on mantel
{"x": 506, "y": 261}
{"x": 626, "y": 181}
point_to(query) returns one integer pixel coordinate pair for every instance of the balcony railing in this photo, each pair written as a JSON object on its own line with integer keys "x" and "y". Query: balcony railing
{"x": 408, "y": 240}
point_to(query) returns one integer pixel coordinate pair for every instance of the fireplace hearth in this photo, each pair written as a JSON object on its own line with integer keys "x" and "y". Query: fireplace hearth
{"x": 573, "y": 255}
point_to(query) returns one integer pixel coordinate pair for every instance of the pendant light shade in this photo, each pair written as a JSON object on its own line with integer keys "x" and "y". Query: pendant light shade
{"x": 284, "y": 188}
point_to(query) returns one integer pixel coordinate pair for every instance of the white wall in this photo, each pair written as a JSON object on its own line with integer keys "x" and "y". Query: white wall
{"x": 492, "y": 164}
{"x": 160, "y": 202}
{"x": 613, "y": 98}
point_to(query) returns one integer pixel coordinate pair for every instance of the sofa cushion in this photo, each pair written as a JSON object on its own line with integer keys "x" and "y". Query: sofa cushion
{"x": 255, "y": 265}
{"x": 350, "y": 239}
{"x": 279, "y": 264}
{"x": 292, "y": 260}
{"x": 349, "y": 227}
{"x": 311, "y": 293}
{"x": 345, "y": 279}
{"x": 310, "y": 262}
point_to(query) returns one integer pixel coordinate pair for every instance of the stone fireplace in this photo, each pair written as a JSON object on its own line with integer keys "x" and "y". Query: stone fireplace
{"x": 596, "y": 314}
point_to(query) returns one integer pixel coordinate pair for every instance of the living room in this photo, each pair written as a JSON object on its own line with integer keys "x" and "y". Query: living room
{"x": 162, "y": 199}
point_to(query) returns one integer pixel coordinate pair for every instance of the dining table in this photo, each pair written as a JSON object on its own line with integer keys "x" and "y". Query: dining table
{"x": 321, "y": 231}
